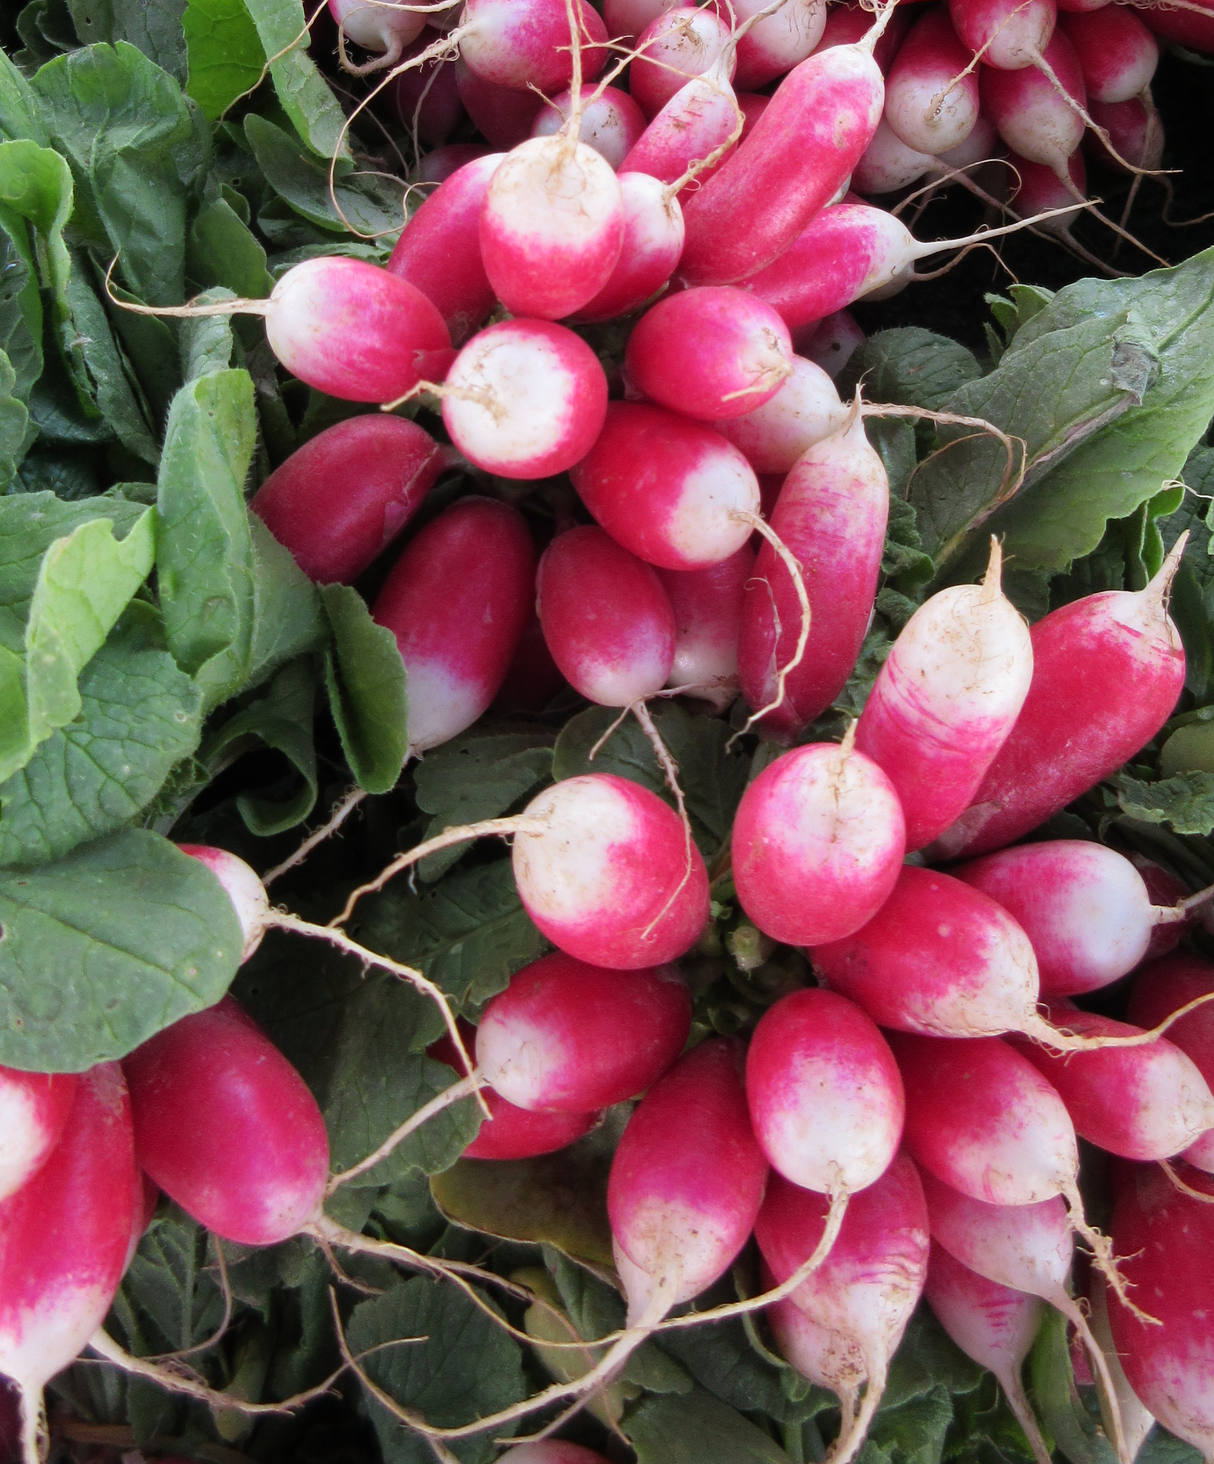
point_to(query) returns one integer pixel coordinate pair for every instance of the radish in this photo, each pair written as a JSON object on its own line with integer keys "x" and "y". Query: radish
{"x": 1080, "y": 7}
{"x": 439, "y": 251}
{"x": 847, "y": 24}
{"x": 709, "y": 353}
{"x": 931, "y": 103}
{"x": 63, "y": 1243}
{"x": 525, "y": 399}
{"x": 1008, "y": 35}
{"x": 672, "y": 491}
{"x": 1084, "y": 907}
{"x": 554, "y": 1451}
{"x": 1165, "y": 892}
{"x": 653, "y": 242}
{"x": 817, "y": 844}
{"x": 1190, "y": 27}
{"x": 1117, "y": 53}
{"x": 626, "y": 19}
{"x": 686, "y": 1182}
{"x": 946, "y": 699}
{"x": 534, "y": 678}
{"x": 227, "y": 1128}
{"x": 682, "y": 42}
{"x": 437, "y": 166}
{"x": 612, "y": 879}
{"x": 34, "y": 1109}
{"x": 1039, "y": 118}
{"x": 384, "y": 26}
{"x": 552, "y": 227}
{"x": 831, "y": 342}
{"x": 1039, "y": 189}
{"x": 865, "y": 1290}
{"x": 523, "y": 44}
{"x": 824, "y": 1092}
{"x": 502, "y": 115}
{"x": 606, "y": 618}
{"x": 339, "y": 500}
{"x": 426, "y": 97}
{"x": 1107, "y": 671}
{"x": 778, "y": 42}
{"x": 888, "y": 164}
{"x": 994, "y": 1325}
{"x": 565, "y": 1037}
{"x": 1164, "y": 987}
{"x": 804, "y": 410}
{"x": 1136, "y": 1421}
{"x": 707, "y": 605}
{"x": 1165, "y": 1239}
{"x": 457, "y": 601}
{"x": 831, "y": 515}
{"x": 1134, "y": 130}
{"x": 701, "y": 117}
{"x": 242, "y": 887}
{"x": 611, "y": 122}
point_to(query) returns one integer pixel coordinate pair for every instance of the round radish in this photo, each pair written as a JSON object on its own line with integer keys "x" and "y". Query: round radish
{"x": 34, "y": 1109}
{"x": 1010, "y": 34}
{"x": 888, "y": 164}
{"x": 242, "y": 887}
{"x": 804, "y": 410}
{"x": 613, "y": 879}
{"x": 1164, "y": 987}
{"x": 682, "y": 42}
{"x": 847, "y": 23}
{"x": 523, "y": 44}
{"x": 831, "y": 342}
{"x": 1032, "y": 118}
{"x": 778, "y": 42}
{"x": 437, "y": 166}
{"x": 611, "y": 123}
{"x": 626, "y": 19}
{"x": 502, "y": 115}
{"x": 554, "y": 1451}
{"x": 1117, "y": 53}
{"x": 707, "y": 605}
{"x": 931, "y": 103}
{"x": 426, "y": 97}
{"x": 384, "y": 26}
{"x": 1134, "y": 130}
{"x": 653, "y": 241}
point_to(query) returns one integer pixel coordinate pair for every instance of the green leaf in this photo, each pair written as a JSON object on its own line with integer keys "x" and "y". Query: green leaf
{"x": 222, "y": 250}
{"x": 18, "y": 109}
{"x": 204, "y": 557}
{"x": 1185, "y": 801}
{"x": 35, "y": 193}
{"x": 105, "y": 948}
{"x": 139, "y": 715}
{"x": 225, "y": 55}
{"x": 694, "y": 1428}
{"x": 14, "y": 424}
{"x": 458, "y": 1366}
{"x": 303, "y": 92}
{"x": 1192, "y": 604}
{"x": 288, "y": 615}
{"x": 910, "y": 367}
{"x": 1026, "y": 301}
{"x": 1058, "y": 1400}
{"x": 911, "y": 1434}
{"x": 207, "y": 341}
{"x": 171, "y": 1295}
{"x": 31, "y": 523}
{"x": 154, "y": 26}
{"x": 365, "y": 678}
{"x": 1189, "y": 749}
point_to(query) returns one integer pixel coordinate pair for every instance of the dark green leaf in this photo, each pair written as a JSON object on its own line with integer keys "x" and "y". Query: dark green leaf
{"x": 1025, "y": 302}
{"x": 1058, "y": 1400}
{"x": 305, "y": 96}
{"x": 694, "y": 1428}
{"x": 913, "y": 1433}
{"x": 14, "y": 424}
{"x": 288, "y": 616}
{"x": 152, "y": 25}
{"x": 909, "y": 366}
{"x": 207, "y": 341}
{"x": 225, "y": 54}
{"x": 365, "y": 678}
{"x": 18, "y": 109}
{"x": 221, "y": 250}
{"x": 1192, "y": 606}
{"x": 171, "y": 1291}
{"x": 1185, "y": 801}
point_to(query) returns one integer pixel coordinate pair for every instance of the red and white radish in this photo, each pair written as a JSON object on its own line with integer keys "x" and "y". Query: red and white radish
{"x": 653, "y": 242}
{"x": 804, "y": 410}
{"x": 888, "y": 164}
{"x": 778, "y": 42}
{"x": 242, "y": 887}
{"x": 707, "y": 605}
{"x": 682, "y": 42}
{"x": 1117, "y": 53}
{"x": 426, "y": 97}
{"x": 611, "y": 122}
{"x": 1134, "y": 129}
{"x": 503, "y": 116}
{"x": 383, "y": 26}
{"x": 701, "y": 117}
{"x": 847, "y": 23}
{"x": 522, "y": 44}
{"x": 1190, "y": 26}
{"x": 437, "y": 166}
{"x": 830, "y": 343}
{"x": 34, "y": 1109}
{"x": 626, "y": 19}
{"x": 554, "y": 1451}
{"x": 1164, "y": 987}
{"x": 931, "y": 99}
{"x": 1008, "y": 35}
{"x": 1033, "y": 116}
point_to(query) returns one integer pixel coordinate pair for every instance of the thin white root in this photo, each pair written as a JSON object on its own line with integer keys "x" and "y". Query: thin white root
{"x": 1017, "y": 1401}
{"x": 338, "y": 817}
{"x": 1184, "y": 1189}
{"x": 850, "y": 1441}
{"x": 1102, "y": 1252}
{"x": 35, "y": 1437}
{"x": 1063, "y": 1041}
{"x": 762, "y": 527}
{"x": 1071, "y": 1310}
{"x": 671, "y": 770}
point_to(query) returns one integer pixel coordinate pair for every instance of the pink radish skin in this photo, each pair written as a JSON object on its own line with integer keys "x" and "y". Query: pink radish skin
{"x": 355, "y": 331}
{"x": 457, "y": 601}
{"x": 566, "y": 1037}
{"x": 707, "y": 605}
{"x": 698, "y": 119}
{"x": 227, "y": 1128}
{"x": 888, "y": 164}
{"x": 817, "y": 843}
{"x": 427, "y": 96}
{"x": 686, "y": 1181}
{"x": 823, "y": 1356}
{"x": 993, "y": 1324}
{"x": 1165, "y": 892}
{"x": 825, "y": 1095}
{"x": 611, "y": 124}
{"x": 1107, "y": 671}
{"x": 242, "y": 887}
{"x": 804, "y": 410}
{"x": 653, "y": 242}
{"x": 831, "y": 342}
{"x": 1185, "y": 26}
{"x": 525, "y": 399}
{"x": 680, "y": 43}
{"x": 1031, "y": 117}
{"x": 437, "y": 166}
{"x": 847, "y": 23}
{"x": 1009, "y": 33}
{"x": 63, "y": 1244}
{"x": 922, "y": 109}
{"x": 521, "y": 45}
{"x": 551, "y": 228}
{"x": 340, "y": 499}
{"x": 382, "y": 27}
{"x": 1117, "y": 53}
{"x": 439, "y": 252}
{"x": 554, "y": 1451}
{"x": 606, "y": 618}
{"x": 502, "y": 115}
{"x": 534, "y": 678}
{"x": 613, "y": 880}
{"x": 1134, "y": 129}
{"x": 807, "y": 142}
{"x": 864, "y": 1291}
{"x": 1146, "y": 1102}
{"x": 831, "y": 515}
{"x": 1084, "y": 907}
{"x": 34, "y": 1108}
{"x": 626, "y": 19}
{"x": 1166, "y": 1239}
{"x": 779, "y": 42}
{"x": 1080, "y": 7}
{"x": 1136, "y": 1421}
{"x": 946, "y": 700}
{"x": 667, "y": 488}
{"x": 709, "y": 353}
{"x": 1162, "y": 988}
{"x": 1039, "y": 188}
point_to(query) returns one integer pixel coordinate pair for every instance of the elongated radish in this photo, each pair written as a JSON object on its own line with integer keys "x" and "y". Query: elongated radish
{"x": 242, "y": 887}
{"x": 1107, "y": 670}
{"x": 847, "y": 23}
{"x": 63, "y": 1245}
{"x": 439, "y": 250}
{"x": 606, "y": 618}
{"x": 1134, "y": 129}
{"x": 709, "y": 353}
{"x": 831, "y": 515}
{"x": 1033, "y": 118}
{"x": 867, "y": 1287}
{"x": 227, "y": 1128}
{"x": 457, "y": 601}
{"x": 707, "y": 605}
{"x": 339, "y": 500}
{"x": 613, "y": 879}
{"x": 611, "y": 123}
{"x": 993, "y": 1324}
{"x": 437, "y": 166}
{"x": 831, "y": 342}
{"x": 626, "y": 19}
{"x": 826, "y": 1357}
{"x": 1190, "y": 27}
{"x": 809, "y": 138}
{"x": 686, "y": 1181}
{"x": 804, "y": 410}
{"x": 384, "y": 27}
{"x": 551, "y": 228}
{"x": 1117, "y": 53}
{"x": 682, "y": 42}
{"x": 427, "y": 97}
{"x": 525, "y": 399}
{"x": 888, "y": 164}
{"x": 931, "y": 101}
{"x": 34, "y": 1109}
{"x": 567, "y": 1037}
{"x": 701, "y": 117}
{"x": 525, "y": 43}
{"x": 653, "y": 241}
{"x": 824, "y": 1092}
{"x": 778, "y": 42}
{"x": 946, "y": 699}
{"x": 1164, "y": 987}
{"x": 1009, "y": 35}
{"x": 672, "y": 491}
{"x": 1084, "y": 907}
{"x": 817, "y": 844}
{"x": 503, "y": 116}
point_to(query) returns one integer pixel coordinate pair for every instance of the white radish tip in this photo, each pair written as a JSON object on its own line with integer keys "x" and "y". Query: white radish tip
{"x": 1160, "y": 586}
{"x": 242, "y": 887}
{"x": 992, "y": 580}
{"x": 849, "y": 740}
